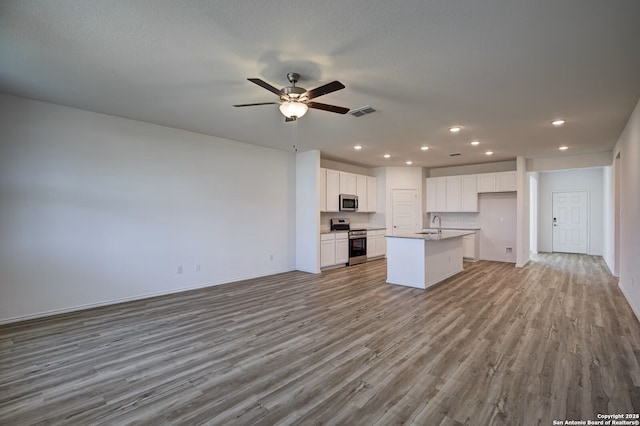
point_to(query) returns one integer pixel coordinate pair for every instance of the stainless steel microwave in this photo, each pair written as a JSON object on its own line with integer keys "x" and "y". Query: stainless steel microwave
{"x": 348, "y": 203}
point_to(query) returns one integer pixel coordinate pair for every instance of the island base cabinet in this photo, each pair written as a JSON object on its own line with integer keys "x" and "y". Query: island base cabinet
{"x": 422, "y": 263}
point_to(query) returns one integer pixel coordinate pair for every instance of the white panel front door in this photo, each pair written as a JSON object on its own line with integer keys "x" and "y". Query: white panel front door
{"x": 570, "y": 222}
{"x": 404, "y": 209}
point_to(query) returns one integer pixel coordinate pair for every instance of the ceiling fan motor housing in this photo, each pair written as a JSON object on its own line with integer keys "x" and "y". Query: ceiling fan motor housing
{"x": 292, "y": 93}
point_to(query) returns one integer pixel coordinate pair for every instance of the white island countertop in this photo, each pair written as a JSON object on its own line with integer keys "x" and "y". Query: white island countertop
{"x": 433, "y": 235}
{"x": 422, "y": 259}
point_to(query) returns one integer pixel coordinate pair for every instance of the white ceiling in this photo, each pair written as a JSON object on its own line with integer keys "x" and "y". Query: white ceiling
{"x": 503, "y": 69}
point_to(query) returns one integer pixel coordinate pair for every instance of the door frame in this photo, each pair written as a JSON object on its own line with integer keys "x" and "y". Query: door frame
{"x": 588, "y": 224}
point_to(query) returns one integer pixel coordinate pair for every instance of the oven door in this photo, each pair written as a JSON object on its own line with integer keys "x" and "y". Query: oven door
{"x": 357, "y": 250}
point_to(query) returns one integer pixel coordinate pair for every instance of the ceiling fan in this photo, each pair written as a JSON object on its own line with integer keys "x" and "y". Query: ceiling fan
{"x": 295, "y": 101}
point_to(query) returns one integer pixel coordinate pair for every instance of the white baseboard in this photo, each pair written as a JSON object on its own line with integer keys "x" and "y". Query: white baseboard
{"x": 130, "y": 299}
{"x": 626, "y": 296}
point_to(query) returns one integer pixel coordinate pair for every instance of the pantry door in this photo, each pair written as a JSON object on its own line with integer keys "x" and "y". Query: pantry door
{"x": 405, "y": 211}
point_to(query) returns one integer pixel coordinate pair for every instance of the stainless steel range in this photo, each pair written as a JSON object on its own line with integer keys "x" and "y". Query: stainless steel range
{"x": 357, "y": 246}
{"x": 357, "y": 240}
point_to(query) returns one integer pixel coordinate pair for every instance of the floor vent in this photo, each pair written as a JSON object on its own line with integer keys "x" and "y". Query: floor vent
{"x": 455, "y": 154}
{"x": 359, "y": 112}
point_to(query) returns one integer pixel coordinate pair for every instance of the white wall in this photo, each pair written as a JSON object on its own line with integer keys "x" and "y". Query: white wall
{"x": 498, "y": 223}
{"x": 565, "y": 162}
{"x": 608, "y": 203}
{"x": 344, "y": 167}
{"x": 523, "y": 251}
{"x": 472, "y": 169}
{"x": 96, "y": 209}
{"x": 308, "y": 211}
{"x": 403, "y": 178}
{"x": 571, "y": 180}
{"x": 533, "y": 212}
{"x": 628, "y": 146}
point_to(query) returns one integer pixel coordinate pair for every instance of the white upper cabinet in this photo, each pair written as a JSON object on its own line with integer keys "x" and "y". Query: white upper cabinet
{"x": 497, "y": 182}
{"x": 506, "y": 182}
{"x": 441, "y": 194}
{"x": 332, "y": 185}
{"x": 452, "y": 194}
{"x": 348, "y": 183}
{"x": 437, "y": 194}
{"x": 469, "y": 193}
{"x": 486, "y": 182}
{"x": 372, "y": 193}
{"x": 432, "y": 195}
{"x": 361, "y": 192}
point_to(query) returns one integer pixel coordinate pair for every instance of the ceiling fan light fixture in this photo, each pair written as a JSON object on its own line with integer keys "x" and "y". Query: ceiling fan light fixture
{"x": 292, "y": 109}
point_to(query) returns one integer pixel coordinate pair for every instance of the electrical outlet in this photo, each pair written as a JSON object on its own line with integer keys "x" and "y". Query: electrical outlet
{"x": 179, "y": 269}
{"x": 271, "y": 257}
{"x": 197, "y": 267}
{"x": 509, "y": 250}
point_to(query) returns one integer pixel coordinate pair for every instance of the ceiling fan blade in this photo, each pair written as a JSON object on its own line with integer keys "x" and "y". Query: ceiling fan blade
{"x": 265, "y": 85}
{"x": 330, "y": 108}
{"x": 323, "y": 90}
{"x": 260, "y": 103}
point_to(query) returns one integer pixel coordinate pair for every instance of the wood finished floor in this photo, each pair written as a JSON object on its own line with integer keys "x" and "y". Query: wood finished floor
{"x": 492, "y": 345}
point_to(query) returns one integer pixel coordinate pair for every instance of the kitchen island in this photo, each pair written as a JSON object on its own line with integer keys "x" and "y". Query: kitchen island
{"x": 423, "y": 259}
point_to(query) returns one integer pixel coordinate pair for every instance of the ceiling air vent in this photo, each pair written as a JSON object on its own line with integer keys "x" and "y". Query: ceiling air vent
{"x": 455, "y": 154}
{"x": 359, "y": 112}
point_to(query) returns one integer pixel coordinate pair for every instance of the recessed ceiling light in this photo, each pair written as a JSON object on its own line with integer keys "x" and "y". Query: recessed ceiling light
{"x": 409, "y": 163}
{"x": 475, "y": 142}
{"x": 563, "y": 147}
{"x": 424, "y": 148}
{"x": 387, "y": 156}
{"x": 357, "y": 147}
{"x": 489, "y": 153}
{"x": 558, "y": 122}
{"x": 455, "y": 129}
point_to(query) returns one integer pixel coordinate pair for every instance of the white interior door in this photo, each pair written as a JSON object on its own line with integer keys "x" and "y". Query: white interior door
{"x": 570, "y": 222}
{"x": 404, "y": 208}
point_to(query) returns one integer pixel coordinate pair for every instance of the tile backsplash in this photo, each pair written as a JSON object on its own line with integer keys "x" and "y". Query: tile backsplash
{"x": 454, "y": 220}
{"x": 358, "y": 220}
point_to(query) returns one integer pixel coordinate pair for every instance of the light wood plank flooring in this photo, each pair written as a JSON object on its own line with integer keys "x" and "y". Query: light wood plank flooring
{"x": 492, "y": 345}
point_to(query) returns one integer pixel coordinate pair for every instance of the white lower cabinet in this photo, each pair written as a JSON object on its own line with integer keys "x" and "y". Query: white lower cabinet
{"x": 376, "y": 243}
{"x": 334, "y": 249}
{"x": 471, "y": 247}
{"x": 327, "y": 250}
{"x": 342, "y": 248}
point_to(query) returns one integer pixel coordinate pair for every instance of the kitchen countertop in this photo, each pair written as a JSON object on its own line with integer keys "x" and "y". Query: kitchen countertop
{"x": 368, "y": 229}
{"x": 446, "y": 234}
{"x": 451, "y": 229}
